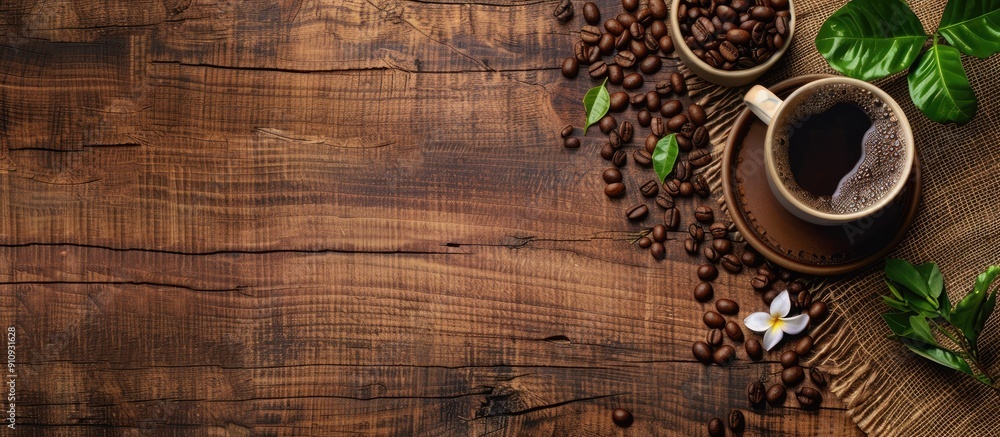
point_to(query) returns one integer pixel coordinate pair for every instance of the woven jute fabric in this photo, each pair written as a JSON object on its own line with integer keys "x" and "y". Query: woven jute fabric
{"x": 887, "y": 389}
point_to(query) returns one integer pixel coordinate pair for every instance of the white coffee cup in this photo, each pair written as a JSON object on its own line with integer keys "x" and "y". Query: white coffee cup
{"x": 778, "y": 113}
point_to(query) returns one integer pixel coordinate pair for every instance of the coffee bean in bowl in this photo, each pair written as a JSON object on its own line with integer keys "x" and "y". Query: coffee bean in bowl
{"x": 732, "y": 43}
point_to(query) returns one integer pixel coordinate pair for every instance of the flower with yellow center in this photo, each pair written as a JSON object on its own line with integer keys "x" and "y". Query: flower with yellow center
{"x": 774, "y": 323}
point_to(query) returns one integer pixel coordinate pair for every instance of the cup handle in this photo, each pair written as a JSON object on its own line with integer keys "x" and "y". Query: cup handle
{"x": 762, "y": 102}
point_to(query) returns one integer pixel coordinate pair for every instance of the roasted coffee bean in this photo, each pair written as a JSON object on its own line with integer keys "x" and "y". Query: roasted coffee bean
{"x": 727, "y": 306}
{"x": 580, "y": 50}
{"x": 789, "y": 359}
{"x": 607, "y": 124}
{"x": 701, "y": 186}
{"x": 644, "y": 16}
{"x": 729, "y": 51}
{"x": 687, "y": 129}
{"x": 817, "y": 377}
{"x": 696, "y": 232}
{"x": 658, "y": 29}
{"x": 738, "y": 36}
{"x": 664, "y": 88}
{"x": 622, "y": 417}
{"x": 594, "y": 54}
{"x": 731, "y": 263}
{"x": 750, "y": 259}
{"x": 614, "y": 27}
{"x": 614, "y": 190}
{"x": 817, "y": 312}
{"x": 650, "y": 188}
{"x": 571, "y": 143}
{"x": 630, "y": 5}
{"x": 760, "y": 283}
{"x": 620, "y": 158}
{"x": 675, "y": 122}
{"x": 625, "y": 59}
{"x": 785, "y": 275}
{"x": 626, "y": 19}
{"x": 792, "y": 376}
{"x": 685, "y": 189}
{"x": 803, "y": 299}
{"x": 618, "y": 101}
{"x": 666, "y": 44}
{"x": 598, "y": 70}
{"x": 642, "y": 158}
{"x": 734, "y": 331}
{"x": 682, "y": 170}
{"x": 758, "y": 34}
{"x": 726, "y": 14}
{"x": 708, "y": 272}
{"x": 778, "y": 41}
{"x": 671, "y": 108}
{"x": 665, "y": 201}
{"x": 776, "y": 395}
{"x": 804, "y": 345}
{"x": 563, "y": 11}
{"x": 724, "y": 355}
{"x": 711, "y": 255}
{"x": 652, "y": 45}
{"x": 658, "y": 8}
{"x": 683, "y": 144}
{"x": 704, "y": 214}
{"x": 736, "y": 421}
{"x": 755, "y": 351}
{"x": 644, "y": 118}
{"x": 715, "y": 337}
{"x": 614, "y": 139}
{"x": 697, "y": 114}
{"x": 607, "y": 152}
{"x": 652, "y": 101}
{"x": 796, "y": 287}
{"x": 645, "y": 242}
{"x": 741, "y": 5}
{"x": 716, "y": 428}
{"x": 672, "y": 187}
{"x": 677, "y": 82}
{"x": 808, "y": 397}
{"x": 719, "y": 230}
{"x": 566, "y": 131}
{"x": 702, "y": 30}
{"x": 650, "y": 65}
{"x": 700, "y": 157}
{"x": 722, "y": 245}
{"x": 755, "y": 391}
{"x": 766, "y": 270}
{"x": 672, "y": 219}
{"x": 659, "y": 233}
{"x": 632, "y": 81}
{"x": 769, "y": 296}
{"x": 762, "y": 13}
{"x": 690, "y": 246}
{"x": 616, "y": 75}
{"x": 590, "y": 34}
{"x": 639, "y": 48}
{"x": 591, "y": 13}
{"x": 656, "y": 127}
{"x": 781, "y": 25}
{"x": 703, "y": 292}
{"x": 622, "y": 41}
{"x": 606, "y": 44}
{"x": 570, "y": 67}
{"x": 657, "y": 250}
{"x": 637, "y": 212}
{"x": 702, "y": 352}
{"x": 637, "y": 30}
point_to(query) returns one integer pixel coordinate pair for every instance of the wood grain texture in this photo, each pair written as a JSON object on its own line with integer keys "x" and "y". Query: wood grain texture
{"x": 333, "y": 217}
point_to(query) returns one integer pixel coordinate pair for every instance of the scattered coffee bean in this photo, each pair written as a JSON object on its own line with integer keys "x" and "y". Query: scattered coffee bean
{"x": 614, "y": 190}
{"x": 598, "y": 70}
{"x": 677, "y": 82}
{"x": 736, "y": 421}
{"x": 570, "y": 67}
{"x": 658, "y": 9}
{"x": 715, "y": 337}
{"x": 644, "y": 118}
{"x": 804, "y": 345}
{"x": 645, "y": 242}
{"x": 785, "y": 275}
{"x": 769, "y": 296}
{"x": 672, "y": 187}
{"x": 690, "y": 246}
{"x": 666, "y": 44}
{"x": 704, "y": 214}
{"x": 724, "y": 355}
{"x": 719, "y": 230}
{"x": 591, "y": 13}
{"x": 622, "y": 417}
{"x": 630, "y": 5}
{"x": 699, "y": 138}
{"x": 766, "y": 270}
{"x": 607, "y": 124}
{"x": 707, "y": 272}
{"x": 796, "y": 287}
{"x": 658, "y": 29}
{"x": 671, "y": 108}
{"x": 626, "y": 131}
{"x": 590, "y": 34}
{"x": 700, "y": 157}
{"x": 618, "y": 101}
{"x": 755, "y": 392}
{"x": 711, "y": 255}
{"x": 652, "y": 101}
{"x": 614, "y": 27}
{"x": 731, "y": 263}
{"x": 594, "y": 55}
{"x": 674, "y": 123}
{"x": 672, "y": 219}
{"x": 607, "y": 152}
{"x": 614, "y": 139}
{"x": 703, "y": 292}
{"x": 571, "y": 143}
{"x": 809, "y": 397}
{"x": 722, "y": 245}
{"x": 803, "y": 299}
{"x": 776, "y": 395}
{"x": 750, "y": 258}
{"x": 702, "y": 352}
{"x": 606, "y": 44}
{"x": 817, "y": 377}
{"x": 563, "y": 11}
{"x": 637, "y": 212}
{"x": 716, "y": 428}
{"x": 818, "y": 312}
{"x": 611, "y": 175}
{"x": 615, "y": 75}
{"x": 714, "y": 320}
{"x": 642, "y": 158}
{"x": 697, "y": 114}
{"x": 697, "y": 232}
{"x": 650, "y": 65}
{"x": 728, "y": 307}
{"x": 657, "y": 250}
{"x": 659, "y": 233}
{"x": 665, "y": 201}
{"x": 650, "y": 188}
{"x": 632, "y": 81}
{"x": 656, "y": 127}
{"x": 755, "y": 351}
{"x": 625, "y": 59}
{"x": 789, "y": 359}
{"x": 685, "y": 189}
{"x": 792, "y": 376}
{"x": 734, "y": 331}
{"x": 637, "y": 30}
{"x": 619, "y": 158}
{"x": 760, "y": 283}
{"x": 566, "y": 131}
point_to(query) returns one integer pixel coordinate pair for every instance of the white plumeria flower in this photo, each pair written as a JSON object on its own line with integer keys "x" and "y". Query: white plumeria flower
{"x": 774, "y": 324}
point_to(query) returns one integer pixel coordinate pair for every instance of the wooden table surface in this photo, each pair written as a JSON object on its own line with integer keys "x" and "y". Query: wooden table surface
{"x": 333, "y": 217}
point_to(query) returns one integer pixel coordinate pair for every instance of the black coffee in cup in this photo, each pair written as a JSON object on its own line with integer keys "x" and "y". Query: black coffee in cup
{"x": 841, "y": 150}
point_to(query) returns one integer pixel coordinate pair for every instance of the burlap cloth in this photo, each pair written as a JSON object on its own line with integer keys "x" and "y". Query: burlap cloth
{"x": 887, "y": 389}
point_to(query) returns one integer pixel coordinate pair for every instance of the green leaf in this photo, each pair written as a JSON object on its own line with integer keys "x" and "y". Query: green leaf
{"x": 893, "y": 290}
{"x": 922, "y": 330}
{"x": 983, "y": 282}
{"x": 932, "y": 276}
{"x": 665, "y": 155}
{"x": 973, "y": 26}
{"x": 906, "y": 275}
{"x": 939, "y": 87}
{"x": 938, "y": 355}
{"x": 596, "y": 103}
{"x": 899, "y": 323}
{"x": 895, "y": 304}
{"x": 869, "y": 39}
{"x": 968, "y": 315}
